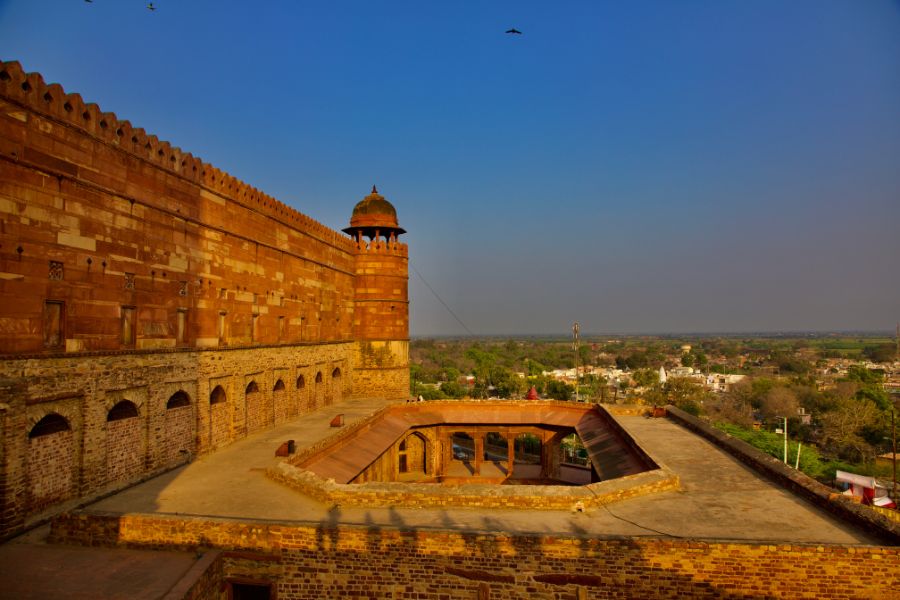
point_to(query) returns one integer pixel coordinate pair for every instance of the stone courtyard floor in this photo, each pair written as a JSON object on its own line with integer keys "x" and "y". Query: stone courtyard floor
{"x": 720, "y": 499}
{"x": 33, "y": 570}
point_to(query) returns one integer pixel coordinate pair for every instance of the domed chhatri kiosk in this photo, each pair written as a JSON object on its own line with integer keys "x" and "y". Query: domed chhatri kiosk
{"x": 374, "y": 216}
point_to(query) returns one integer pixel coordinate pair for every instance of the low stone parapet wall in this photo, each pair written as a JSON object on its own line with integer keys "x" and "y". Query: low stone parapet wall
{"x": 422, "y": 495}
{"x": 792, "y": 479}
{"x": 325, "y": 560}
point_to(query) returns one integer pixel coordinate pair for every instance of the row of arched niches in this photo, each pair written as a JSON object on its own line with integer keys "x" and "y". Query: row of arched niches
{"x": 134, "y": 442}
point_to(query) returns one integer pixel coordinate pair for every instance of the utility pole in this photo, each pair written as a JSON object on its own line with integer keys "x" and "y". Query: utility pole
{"x": 785, "y": 438}
{"x": 785, "y": 441}
{"x": 894, "y": 446}
{"x": 575, "y": 347}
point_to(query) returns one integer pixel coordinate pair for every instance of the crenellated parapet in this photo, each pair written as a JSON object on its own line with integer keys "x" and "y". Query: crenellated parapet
{"x": 390, "y": 247}
{"x": 30, "y": 91}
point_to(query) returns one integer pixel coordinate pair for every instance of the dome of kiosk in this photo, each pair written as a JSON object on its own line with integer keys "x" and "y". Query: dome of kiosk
{"x": 374, "y": 213}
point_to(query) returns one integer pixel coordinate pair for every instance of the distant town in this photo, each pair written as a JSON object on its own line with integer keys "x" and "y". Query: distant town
{"x": 834, "y": 394}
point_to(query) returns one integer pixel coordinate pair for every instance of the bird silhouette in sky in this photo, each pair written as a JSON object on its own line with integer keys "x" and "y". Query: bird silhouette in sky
{"x": 151, "y": 7}
{"x": 514, "y": 30}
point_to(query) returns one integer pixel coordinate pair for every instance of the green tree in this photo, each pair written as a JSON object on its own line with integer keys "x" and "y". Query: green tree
{"x": 843, "y": 427}
{"x": 871, "y": 385}
{"x": 700, "y": 359}
{"x": 645, "y": 377}
{"x": 506, "y": 383}
{"x": 779, "y": 402}
{"x": 684, "y": 392}
{"x": 881, "y": 353}
{"x": 559, "y": 390}
{"x": 453, "y": 389}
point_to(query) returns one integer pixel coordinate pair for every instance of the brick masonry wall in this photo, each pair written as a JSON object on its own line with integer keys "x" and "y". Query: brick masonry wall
{"x": 203, "y": 581}
{"x": 100, "y": 455}
{"x": 179, "y": 434}
{"x": 124, "y": 449}
{"x": 220, "y": 426}
{"x": 257, "y": 412}
{"x": 283, "y": 407}
{"x": 329, "y": 561}
{"x": 51, "y": 469}
{"x": 382, "y": 368}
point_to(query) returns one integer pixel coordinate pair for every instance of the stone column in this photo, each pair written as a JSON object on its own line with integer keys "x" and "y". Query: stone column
{"x": 479, "y": 451}
{"x": 550, "y": 456}
{"x": 447, "y": 452}
{"x": 510, "y": 453}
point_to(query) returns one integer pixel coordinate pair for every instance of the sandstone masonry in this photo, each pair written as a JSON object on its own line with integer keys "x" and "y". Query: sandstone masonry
{"x": 153, "y": 307}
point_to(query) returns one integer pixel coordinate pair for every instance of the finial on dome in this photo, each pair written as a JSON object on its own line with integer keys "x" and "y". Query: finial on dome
{"x": 374, "y": 189}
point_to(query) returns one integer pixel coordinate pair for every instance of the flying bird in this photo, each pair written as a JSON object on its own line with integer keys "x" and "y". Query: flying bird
{"x": 514, "y": 30}
{"x": 89, "y": 1}
{"x": 151, "y": 7}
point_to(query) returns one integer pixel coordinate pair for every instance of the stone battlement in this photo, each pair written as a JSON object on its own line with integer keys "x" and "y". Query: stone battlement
{"x": 392, "y": 248}
{"x": 30, "y": 91}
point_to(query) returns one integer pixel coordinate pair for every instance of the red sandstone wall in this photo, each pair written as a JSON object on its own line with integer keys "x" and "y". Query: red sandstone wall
{"x": 100, "y": 216}
{"x": 382, "y": 301}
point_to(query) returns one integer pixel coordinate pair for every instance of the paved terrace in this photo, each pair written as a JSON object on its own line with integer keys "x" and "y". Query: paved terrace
{"x": 720, "y": 498}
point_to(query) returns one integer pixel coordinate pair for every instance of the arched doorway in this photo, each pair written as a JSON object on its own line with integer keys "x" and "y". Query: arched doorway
{"x": 337, "y": 388}
{"x": 462, "y": 455}
{"x": 219, "y": 426}
{"x": 528, "y": 456}
{"x": 302, "y": 402}
{"x": 51, "y": 462}
{"x": 179, "y": 429}
{"x": 256, "y": 408}
{"x": 124, "y": 443}
{"x": 412, "y": 457}
{"x": 318, "y": 392}
{"x": 280, "y": 401}
{"x": 496, "y": 454}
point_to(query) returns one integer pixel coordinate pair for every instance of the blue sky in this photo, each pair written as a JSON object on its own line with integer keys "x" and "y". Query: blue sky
{"x": 645, "y": 166}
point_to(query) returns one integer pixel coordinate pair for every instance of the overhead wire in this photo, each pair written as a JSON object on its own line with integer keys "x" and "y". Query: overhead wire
{"x": 441, "y": 300}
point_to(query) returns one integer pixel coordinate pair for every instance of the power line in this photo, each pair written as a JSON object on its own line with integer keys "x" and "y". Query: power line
{"x": 441, "y": 300}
